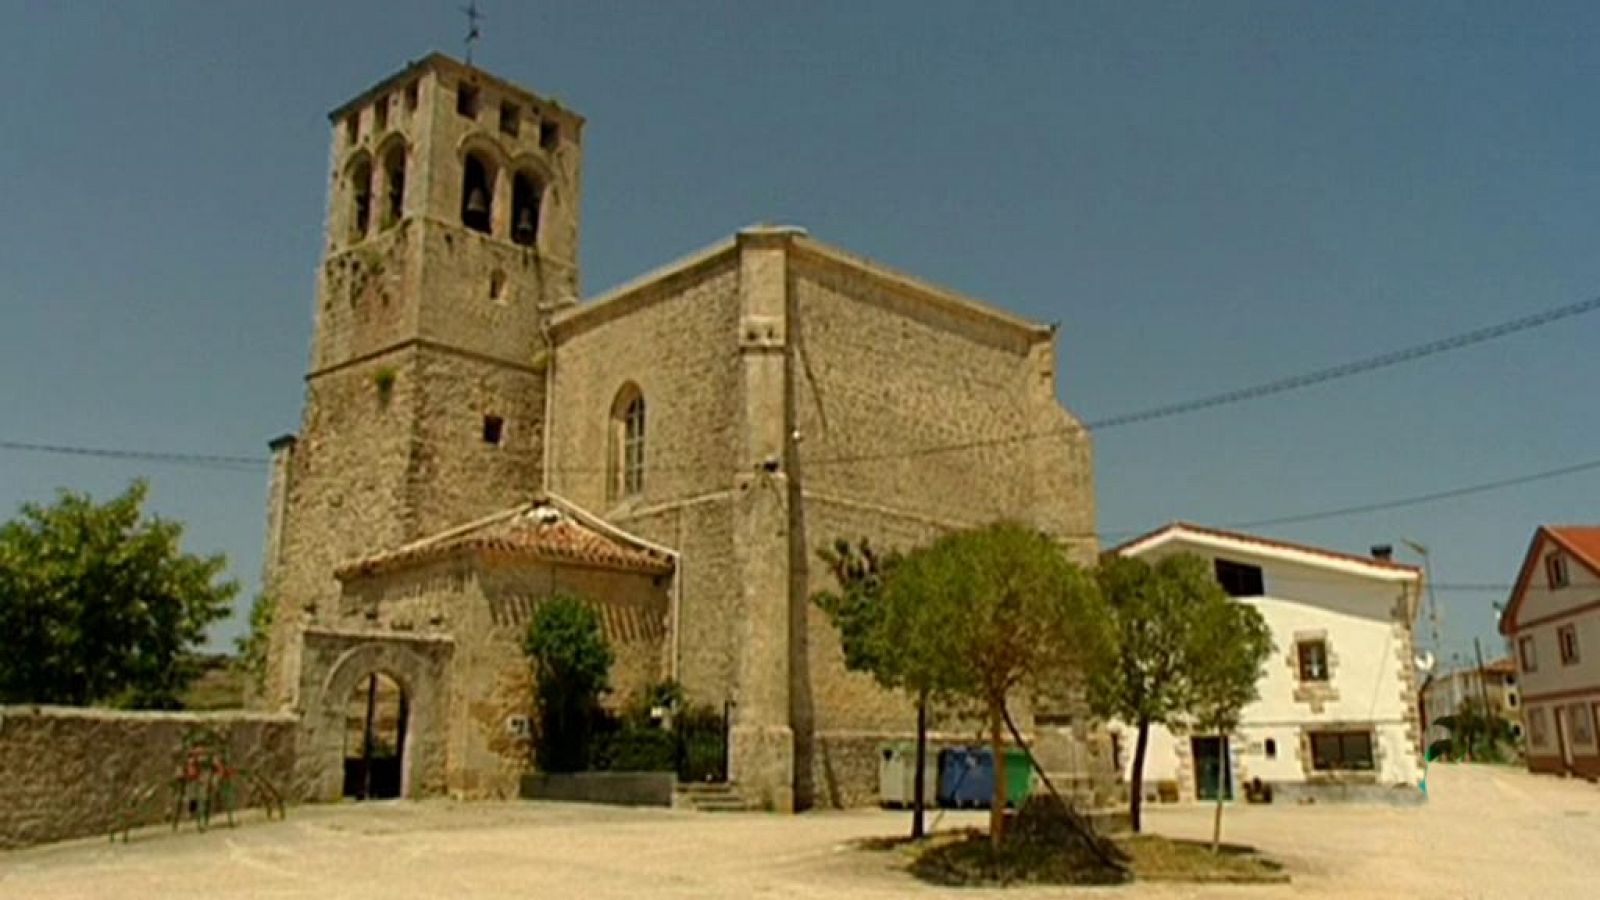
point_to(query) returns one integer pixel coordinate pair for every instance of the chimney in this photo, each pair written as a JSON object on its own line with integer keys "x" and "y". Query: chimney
{"x": 1384, "y": 552}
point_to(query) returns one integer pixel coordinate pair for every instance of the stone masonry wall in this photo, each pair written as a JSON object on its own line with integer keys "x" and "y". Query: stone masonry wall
{"x": 70, "y": 772}
{"x": 675, "y": 339}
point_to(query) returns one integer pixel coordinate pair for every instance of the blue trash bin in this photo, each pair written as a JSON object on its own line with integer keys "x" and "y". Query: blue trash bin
{"x": 966, "y": 777}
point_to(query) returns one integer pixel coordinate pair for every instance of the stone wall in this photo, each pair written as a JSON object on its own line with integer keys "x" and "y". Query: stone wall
{"x": 70, "y": 772}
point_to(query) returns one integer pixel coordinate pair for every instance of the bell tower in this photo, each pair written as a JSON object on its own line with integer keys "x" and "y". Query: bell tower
{"x": 451, "y": 238}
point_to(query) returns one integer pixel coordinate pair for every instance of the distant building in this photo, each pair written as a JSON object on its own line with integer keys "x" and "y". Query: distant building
{"x": 1445, "y": 693}
{"x": 1337, "y": 717}
{"x": 1553, "y": 624}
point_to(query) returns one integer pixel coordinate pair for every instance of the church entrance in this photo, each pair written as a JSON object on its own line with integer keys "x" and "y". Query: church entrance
{"x": 375, "y": 720}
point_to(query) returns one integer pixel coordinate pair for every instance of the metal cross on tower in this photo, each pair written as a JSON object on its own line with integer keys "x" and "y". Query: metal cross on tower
{"x": 473, "y": 18}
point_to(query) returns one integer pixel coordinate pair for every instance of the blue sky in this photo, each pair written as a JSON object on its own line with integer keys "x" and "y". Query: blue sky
{"x": 1202, "y": 195}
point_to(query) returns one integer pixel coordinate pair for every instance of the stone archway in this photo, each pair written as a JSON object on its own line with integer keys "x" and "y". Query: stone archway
{"x": 334, "y": 667}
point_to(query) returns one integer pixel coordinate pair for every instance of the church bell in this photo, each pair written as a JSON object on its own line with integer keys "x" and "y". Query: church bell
{"x": 477, "y": 204}
{"x": 525, "y": 223}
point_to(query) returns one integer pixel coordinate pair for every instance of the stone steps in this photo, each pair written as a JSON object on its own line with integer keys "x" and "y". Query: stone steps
{"x": 710, "y": 798}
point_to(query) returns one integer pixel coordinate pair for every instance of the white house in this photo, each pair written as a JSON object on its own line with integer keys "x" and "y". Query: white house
{"x": 1553, "y": 623}
{"x": 1337, "y": 717}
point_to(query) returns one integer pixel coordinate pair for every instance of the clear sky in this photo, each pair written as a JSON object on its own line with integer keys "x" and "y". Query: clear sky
{"x": 1202, "y": 195}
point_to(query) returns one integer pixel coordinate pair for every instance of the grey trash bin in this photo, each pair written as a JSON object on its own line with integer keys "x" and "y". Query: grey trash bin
{"x": 897, "y": 772}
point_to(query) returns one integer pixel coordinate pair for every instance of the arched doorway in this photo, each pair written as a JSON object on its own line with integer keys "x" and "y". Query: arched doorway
{"x": 376, "y": 714}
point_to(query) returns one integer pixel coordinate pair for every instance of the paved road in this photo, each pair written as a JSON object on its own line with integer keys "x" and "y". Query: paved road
{"x": 1487, "y": 833}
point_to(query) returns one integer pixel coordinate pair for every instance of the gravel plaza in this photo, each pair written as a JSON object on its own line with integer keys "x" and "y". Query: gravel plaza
{"x": 1487, "y": 833}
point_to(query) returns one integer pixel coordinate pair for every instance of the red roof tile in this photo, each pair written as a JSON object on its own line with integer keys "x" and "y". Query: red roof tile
{"x": 1581, "y": 541}
{"x": 536, "y": 531}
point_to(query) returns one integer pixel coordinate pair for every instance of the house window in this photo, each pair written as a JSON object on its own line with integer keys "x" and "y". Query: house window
{"x": 1538, "y": 727}
{"x": 467, "y": 101}
{"x": 1240, "y": 579}
{"x": 1511, "y": 700}
{"x": 625, "y": 477}
{"x": 1313, "y": 658}
{"x": 493, "y": 428}
{"x": 1555, "y": 570}
{"x": 1272, "y": 749}
{"x": 1525, "y": 650}
{"x": 1567, "y": 638}
{"x": 1341, "y": 751}
{"x": 1582, "y": 725}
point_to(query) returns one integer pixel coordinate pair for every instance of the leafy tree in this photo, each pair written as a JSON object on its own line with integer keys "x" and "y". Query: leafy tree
{"x": 1476, "y": 734}
{"x": 252, "y": 645}
{"x": 98, "y": 603}
{"x": 986, "y": 612}
{"x": 1228, "y": 644}
{"x": 572, "y": 665}
{"x": 1154, "y": 612}
{"x": 857, "y": 610}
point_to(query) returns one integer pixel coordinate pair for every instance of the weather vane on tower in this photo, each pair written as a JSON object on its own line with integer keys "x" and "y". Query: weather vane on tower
{"x": 473, "y": 18}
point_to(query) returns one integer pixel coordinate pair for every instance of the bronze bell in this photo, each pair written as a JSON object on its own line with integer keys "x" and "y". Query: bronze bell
{"x": 477, "y": 204}
{"x": 525, "y": 223}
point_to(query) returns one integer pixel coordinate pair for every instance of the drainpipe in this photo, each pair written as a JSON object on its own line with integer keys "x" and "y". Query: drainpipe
{"x": 549, "y": 402}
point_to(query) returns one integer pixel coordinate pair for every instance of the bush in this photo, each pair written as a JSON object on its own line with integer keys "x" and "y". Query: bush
{"x": 634, "y": 748}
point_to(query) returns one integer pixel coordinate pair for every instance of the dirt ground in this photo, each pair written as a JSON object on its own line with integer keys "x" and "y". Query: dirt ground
{"x": 1486, "y": 833}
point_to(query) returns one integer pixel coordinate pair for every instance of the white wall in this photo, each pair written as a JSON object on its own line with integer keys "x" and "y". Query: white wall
{"x": 1366, "y": 650}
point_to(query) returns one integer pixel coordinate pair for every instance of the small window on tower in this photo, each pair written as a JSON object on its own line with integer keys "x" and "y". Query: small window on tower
{"x": 510, "y": 118}
{"x": 352, "y": 129}
{"x": 411, "y": 97}
{"x": 493, "y": 428}
{"x": 497, "y": 285}
{"x": 467, "y": 100}
{"x": 380, "y": 115}
{"x": 549, "y": 134}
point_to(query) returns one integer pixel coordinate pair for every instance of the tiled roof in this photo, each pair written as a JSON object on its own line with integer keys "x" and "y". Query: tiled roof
{"x": 1581, "y": 541}
{"x": 1271, "y": 543}
{"x": 543, "y": 530}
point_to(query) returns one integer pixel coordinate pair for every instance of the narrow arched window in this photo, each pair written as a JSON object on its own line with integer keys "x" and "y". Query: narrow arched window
{"x": 394, "y": 182}
{"x": 360, "y": 198}
{"x": 526, "y": 194}
{"x": 477, "y": 194}
{"x": 625, "y": 469}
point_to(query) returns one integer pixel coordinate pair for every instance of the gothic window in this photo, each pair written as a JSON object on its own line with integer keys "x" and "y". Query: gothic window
{"x": 394, "y": 180}
{"x": 625, "y": 477}
{"x": 526, "y": 194}
{"x": 477, "y": 193}
{"x": 360, "y": 198}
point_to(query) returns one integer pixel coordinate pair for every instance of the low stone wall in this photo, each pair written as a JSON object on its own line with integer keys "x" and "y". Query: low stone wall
{"x": 67, "y": 772}
{"x": 616, "y": 788}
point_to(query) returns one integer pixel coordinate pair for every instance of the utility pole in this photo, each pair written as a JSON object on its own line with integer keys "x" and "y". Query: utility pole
{"x": 1483, "y": 677}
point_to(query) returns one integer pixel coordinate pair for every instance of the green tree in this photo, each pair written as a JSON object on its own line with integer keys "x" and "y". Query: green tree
{"x": 1145, "y": 680}
{"x": 1476, "y": 735}
{"x": 572, "y": 666}
{"x": 99, "y": 604}
{"x": 1228, "y": 644}
{"x": 856, "y": 609}
{"x": 252, "y": 646}
{"x": 985, "y": 613}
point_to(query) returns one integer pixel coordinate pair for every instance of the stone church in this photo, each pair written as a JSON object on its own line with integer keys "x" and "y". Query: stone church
{"x": 476, "y": 436}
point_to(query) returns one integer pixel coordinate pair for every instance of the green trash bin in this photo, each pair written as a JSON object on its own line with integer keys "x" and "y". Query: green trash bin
{"x": 1019, "y": 776}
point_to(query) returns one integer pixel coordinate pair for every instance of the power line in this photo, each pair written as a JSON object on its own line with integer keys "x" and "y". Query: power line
{"x": 1422, "y": 498}
{"x": 1356, "y": 367}
{"x": 201, "y": 460}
